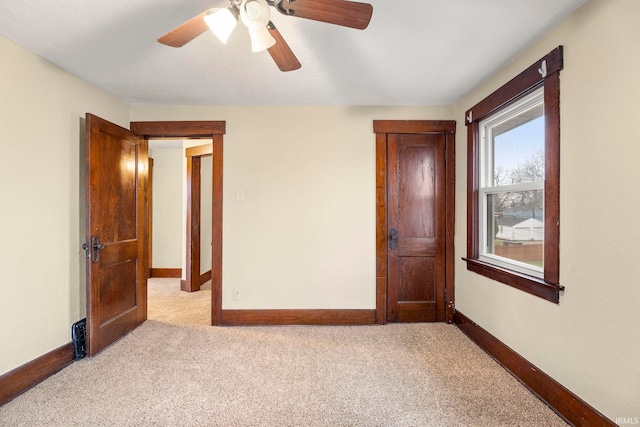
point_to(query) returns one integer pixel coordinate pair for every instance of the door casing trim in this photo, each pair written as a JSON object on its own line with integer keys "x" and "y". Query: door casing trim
{"x": 200, "y": 129}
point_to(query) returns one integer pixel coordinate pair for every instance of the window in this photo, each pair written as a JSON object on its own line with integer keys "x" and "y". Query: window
{"x": 513, "y": 181}
{"x": 511, "y": 193}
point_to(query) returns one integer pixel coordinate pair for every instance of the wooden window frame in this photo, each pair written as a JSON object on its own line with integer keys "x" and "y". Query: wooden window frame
{"x": 543, "y": 73}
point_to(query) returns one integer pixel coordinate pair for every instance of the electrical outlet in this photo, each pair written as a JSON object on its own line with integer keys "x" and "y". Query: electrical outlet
{"x": 235, "y": 294}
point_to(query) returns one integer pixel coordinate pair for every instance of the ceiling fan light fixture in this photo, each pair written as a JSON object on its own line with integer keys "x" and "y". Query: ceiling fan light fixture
{"x": 255, "y": 15}
{"x": 222, "y": 22}
{"x": 261, "y": 39}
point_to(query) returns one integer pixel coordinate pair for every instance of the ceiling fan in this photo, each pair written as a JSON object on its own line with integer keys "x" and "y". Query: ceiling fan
{"x": 254, "y": 14}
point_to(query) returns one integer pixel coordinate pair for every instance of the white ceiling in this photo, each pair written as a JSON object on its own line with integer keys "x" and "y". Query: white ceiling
{"x": 415, "y": 52}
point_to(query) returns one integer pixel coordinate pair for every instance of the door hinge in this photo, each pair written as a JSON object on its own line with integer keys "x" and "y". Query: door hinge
{"x": 450, "y": 307}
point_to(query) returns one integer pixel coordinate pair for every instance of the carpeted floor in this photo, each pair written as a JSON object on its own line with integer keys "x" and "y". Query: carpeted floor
{"x": 166, "y": 303}
{"x": 172, "y": 373}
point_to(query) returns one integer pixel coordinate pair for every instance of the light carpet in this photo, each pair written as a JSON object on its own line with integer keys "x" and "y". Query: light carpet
{"x": 167, "y": 303}
{"x": 180, "y": 374}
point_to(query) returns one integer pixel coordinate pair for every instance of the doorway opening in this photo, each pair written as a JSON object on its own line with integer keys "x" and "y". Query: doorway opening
{"x": 212, "y": 131}
{"x": 180, "y": 224}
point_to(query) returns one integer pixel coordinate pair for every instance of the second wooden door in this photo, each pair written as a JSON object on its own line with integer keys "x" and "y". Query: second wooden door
{"x": 416, "y": 227}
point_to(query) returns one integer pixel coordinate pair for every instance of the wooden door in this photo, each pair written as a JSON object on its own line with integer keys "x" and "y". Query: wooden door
{"x": 116, "y": 162}
{"x": 416, "y": 227}
{"x": 194, "y": 156}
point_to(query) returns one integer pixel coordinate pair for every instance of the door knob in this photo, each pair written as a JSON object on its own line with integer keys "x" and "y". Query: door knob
{"x": 393, "y": 239}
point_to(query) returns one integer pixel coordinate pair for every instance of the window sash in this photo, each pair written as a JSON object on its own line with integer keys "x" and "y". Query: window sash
{"x": 483, "y": 230}
{"x": 523, "y": 107}
{"x": 522, "y": 186}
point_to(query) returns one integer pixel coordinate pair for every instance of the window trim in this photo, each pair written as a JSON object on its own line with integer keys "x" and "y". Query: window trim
{"x": 545, "y": 72}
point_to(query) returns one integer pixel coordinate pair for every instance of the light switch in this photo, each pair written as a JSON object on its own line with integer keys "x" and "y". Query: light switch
{"x": 240, "y": 196}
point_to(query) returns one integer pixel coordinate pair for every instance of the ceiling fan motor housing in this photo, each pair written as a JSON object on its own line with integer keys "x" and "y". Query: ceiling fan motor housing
{"x": 254, "y": 13}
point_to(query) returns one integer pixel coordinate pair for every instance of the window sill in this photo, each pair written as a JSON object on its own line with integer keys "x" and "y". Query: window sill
{"x": 525, "y": 283}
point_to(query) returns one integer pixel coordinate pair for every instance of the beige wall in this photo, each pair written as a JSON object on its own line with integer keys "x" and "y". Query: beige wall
{"x": 590, "y": 341}
{"x": 169, "y": 205}
{"x": 41, "y": 119}
{"x": 168, "y": 224}
{"x": 304, "y": 237}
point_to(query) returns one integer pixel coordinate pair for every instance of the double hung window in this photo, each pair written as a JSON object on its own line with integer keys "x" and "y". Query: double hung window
{"x": 511, "y": 192}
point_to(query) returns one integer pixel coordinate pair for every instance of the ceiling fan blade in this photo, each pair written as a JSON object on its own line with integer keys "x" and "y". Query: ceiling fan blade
{"x": 186, "y": 32}
{"x": 339, "y": 12}
{"x": 281, "y": 53}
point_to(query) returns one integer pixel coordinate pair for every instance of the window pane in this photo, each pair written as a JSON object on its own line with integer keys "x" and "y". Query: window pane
{"x": 518, "y": 149}
{"x": 515, "y": 226}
